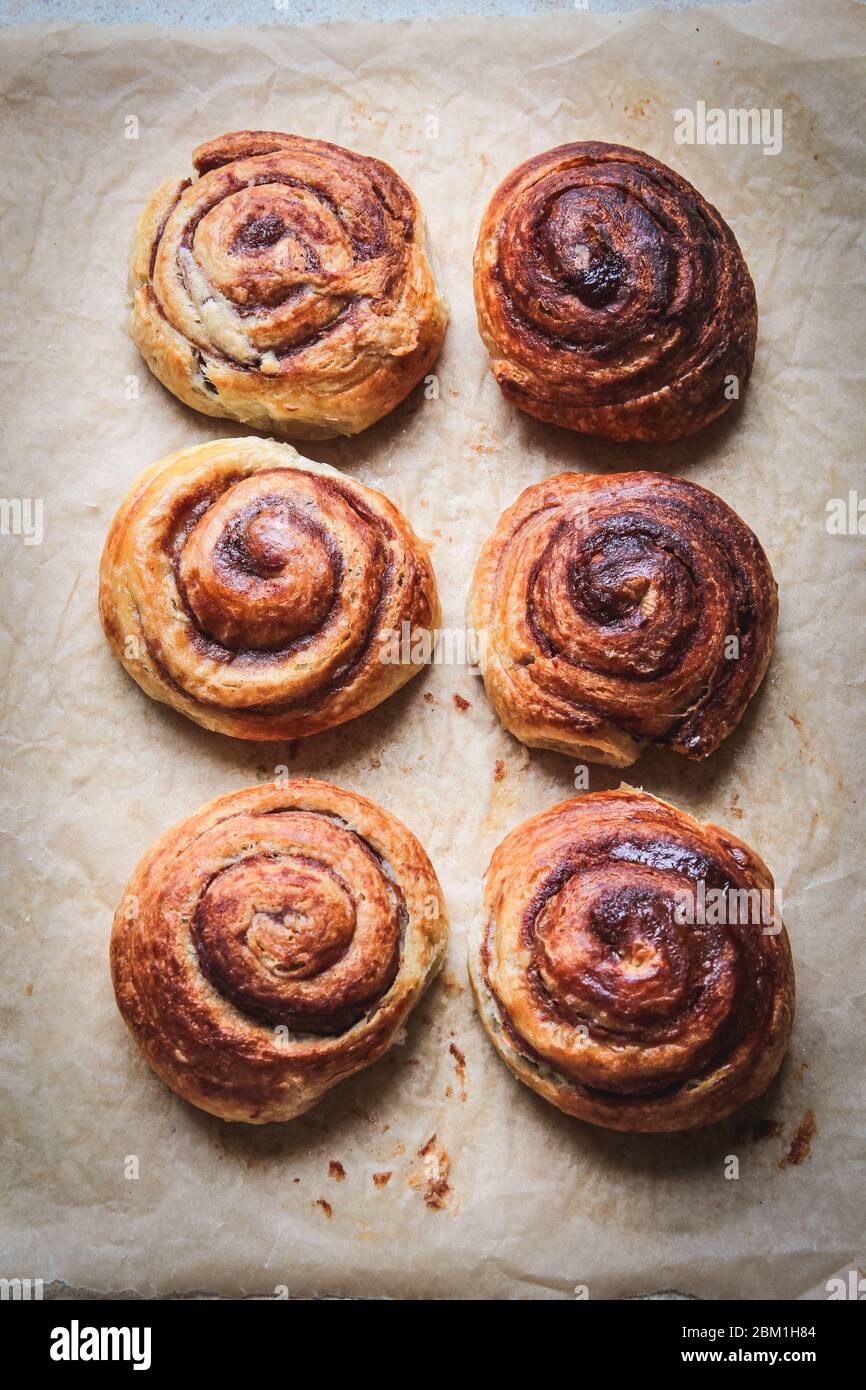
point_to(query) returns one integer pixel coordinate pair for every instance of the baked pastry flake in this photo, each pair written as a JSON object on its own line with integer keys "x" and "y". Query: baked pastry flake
{"x": 273, "y": 944}
{"x": 286, "y": 286}
{"x": 612, "y": 298}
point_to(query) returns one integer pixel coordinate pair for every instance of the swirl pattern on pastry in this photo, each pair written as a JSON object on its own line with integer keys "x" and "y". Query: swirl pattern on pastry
{"x": 273, "y": 944}
{"x": 612, "y": 297}
{"x": 613, "y": 984}
{"x": 253, "y": 590}
{"x": 621, "y": 608}
{"x": 286, "y": 286}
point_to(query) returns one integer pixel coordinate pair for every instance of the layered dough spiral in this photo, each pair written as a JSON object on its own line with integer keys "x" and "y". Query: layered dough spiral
{"x": 617, "y": 986}
{"x": 612, "y": 297}
{"x": 618, "y": 609}
{"x": 286, "y": 286}
{"x": 259, "y": 592}
{"x": 273, "y": 944}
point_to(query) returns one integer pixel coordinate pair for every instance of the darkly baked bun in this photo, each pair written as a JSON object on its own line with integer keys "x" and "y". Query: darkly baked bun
{"x": 617, "y": 986}
{"x": 612, "y": 297}
{"x": 286, "y": 286}
{"x": 622, "y": 608}
{"x": 257, "y": 591}
{"x": 273, "y": 944}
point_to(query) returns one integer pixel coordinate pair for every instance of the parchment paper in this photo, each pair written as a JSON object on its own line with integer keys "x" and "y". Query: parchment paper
{"x": 537, "y": 1204}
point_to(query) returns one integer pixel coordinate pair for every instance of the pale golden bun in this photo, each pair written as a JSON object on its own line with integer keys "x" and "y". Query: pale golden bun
{"x": 286, "y": 286}
{"x": 259, "y": 592}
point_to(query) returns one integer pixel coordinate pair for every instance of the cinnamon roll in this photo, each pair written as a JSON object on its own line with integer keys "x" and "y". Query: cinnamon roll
{"x": 286, "y": 286}
{"x": 629, "y": 964}
{"x": 259, "y": 593}
{"x": 612, "y": 297}
{"x": 273, "y": 944}
{"x": 618, "y": 609}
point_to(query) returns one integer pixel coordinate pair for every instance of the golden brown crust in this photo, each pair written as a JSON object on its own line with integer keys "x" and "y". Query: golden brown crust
{"x": 273, "y": 944}
{"x": 286, "y": 286}
{"x": 629, "y": 965}
{"x": 612, "y": 297}
{"x": 615, "y": 609}
{"x": 252, "y": 590}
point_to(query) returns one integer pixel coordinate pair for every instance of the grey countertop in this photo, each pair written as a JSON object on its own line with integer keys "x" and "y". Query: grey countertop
{"x": 219, "y": 14}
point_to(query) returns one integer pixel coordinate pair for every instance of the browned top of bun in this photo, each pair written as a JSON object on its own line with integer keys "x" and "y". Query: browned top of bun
{"x": 613, "y": 298}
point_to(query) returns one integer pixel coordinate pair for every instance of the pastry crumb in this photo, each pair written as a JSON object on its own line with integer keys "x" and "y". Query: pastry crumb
{"x": 459, "y": 1067}
{"x": 431, "y": 1179}
{"x": 801, "y": 1141}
